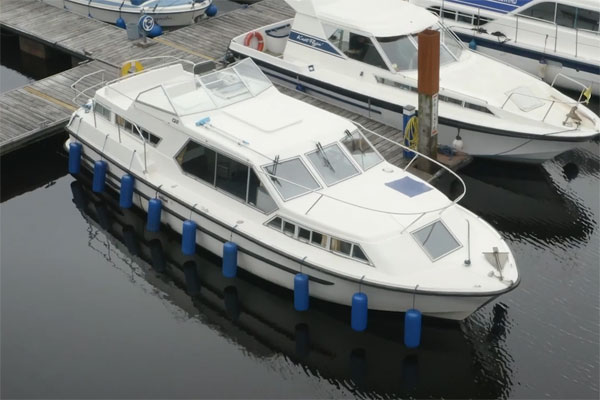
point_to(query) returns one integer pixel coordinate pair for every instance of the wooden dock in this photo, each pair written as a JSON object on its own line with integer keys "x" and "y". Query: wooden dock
{"x": 41, "y": 108}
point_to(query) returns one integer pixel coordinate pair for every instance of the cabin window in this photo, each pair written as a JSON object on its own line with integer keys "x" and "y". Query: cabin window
{"x": 291, "y": 178}
{"x": 361, "y": 48}
{"x": 198, "y": 160}
{"x": 462, "y": 17}
{"x": 128, "y": 127}
{"x": 587, "y": 19}
{"x": 319, "y": 239}
{"x": 543, "y": 11}
{"x": 565, "y": 15}
{"x": 232, "y": 176}
{"x": 289, "y": 228}
{"x": 258, "y": 196}
{"x": 275, "y": 223}
{"x": 103, "y": 111}
{"x": 332, "y": 164}
{"x": 448, "y": 14}
{"x": 361, "y": 150}
{"x": 124, "y": 124}
{"x": 436, "y": 240}
{"x": 151, "y": 138}
{"x": 341, "y": 246}
{"x": 303, "y": 235}
{"x": 358, "y": 253}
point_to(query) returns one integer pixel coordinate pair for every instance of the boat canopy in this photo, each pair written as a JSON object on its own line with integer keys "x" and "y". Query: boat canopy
{"x": 193, "y": 94}
{"x": 389, "y": 18}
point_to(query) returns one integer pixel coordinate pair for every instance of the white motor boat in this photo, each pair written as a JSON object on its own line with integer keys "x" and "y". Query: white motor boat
{"x": 364, "y": 58}
{"x": 558, "y": 41}
{"x": 165, "y": 13}
{"x": 298, "y": 189}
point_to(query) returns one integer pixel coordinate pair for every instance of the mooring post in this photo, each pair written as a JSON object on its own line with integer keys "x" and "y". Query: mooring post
{"x": 428, "y": 86}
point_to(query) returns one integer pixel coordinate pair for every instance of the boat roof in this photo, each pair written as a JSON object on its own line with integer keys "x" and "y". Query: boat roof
{"x": 381, "y": 18}
{"x": 238, "y": 107}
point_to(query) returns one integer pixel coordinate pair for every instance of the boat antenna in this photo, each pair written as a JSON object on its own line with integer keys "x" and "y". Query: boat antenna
{"x": 322, "y": 151}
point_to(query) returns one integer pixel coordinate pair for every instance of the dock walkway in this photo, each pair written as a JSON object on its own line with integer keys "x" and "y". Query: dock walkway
{"x": 36, "y": 110}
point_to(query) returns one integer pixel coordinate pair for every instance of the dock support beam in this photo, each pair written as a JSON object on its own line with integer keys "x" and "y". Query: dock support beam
{"x": 428, "y": 87}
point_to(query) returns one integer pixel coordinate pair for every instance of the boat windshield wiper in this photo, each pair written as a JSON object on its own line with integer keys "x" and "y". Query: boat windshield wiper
{"x": 274, "y": 170}
{"x": 325, "y": 159}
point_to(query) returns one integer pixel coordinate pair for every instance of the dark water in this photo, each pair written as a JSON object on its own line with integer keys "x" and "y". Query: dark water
{"x": 92, "y": 306}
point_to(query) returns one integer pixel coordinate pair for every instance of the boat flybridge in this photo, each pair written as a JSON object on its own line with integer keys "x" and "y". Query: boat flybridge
{"x": 365, "y": 59}
{"x": 298, "y": 189}
{"x": 558, "y": 40}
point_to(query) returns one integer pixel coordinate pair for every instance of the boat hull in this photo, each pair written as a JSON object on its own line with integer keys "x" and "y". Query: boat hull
{"x": 273, "y": 265}
{"x": 177, "y": 16}
{"x": 478, "y": 141}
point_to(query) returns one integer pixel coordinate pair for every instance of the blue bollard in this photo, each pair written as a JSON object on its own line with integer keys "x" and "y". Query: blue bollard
{"x": 211, "y": 11}
{"x": 74, "y": 158}
{"x": 126, "y": 194}
{"x": 301, "y": 297}
{"x": 230, "y": 252}
{"x": 154, "y": 209}
{"x": 360, "y": 307}
{"x": 412, "y": 328}
{"x": 188, "y": 238}
{"x": 100, "y": 168}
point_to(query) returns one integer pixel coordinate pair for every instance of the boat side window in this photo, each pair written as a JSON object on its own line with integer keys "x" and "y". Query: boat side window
{"x": 361, "y": 150}
{"x": 258, "y": 196}
{"x": 153, "y": 139}
{"x": 132, "y": 130}
{"x": 103, "y": 111}
{"x": 332, "y": 164}
{"x": 289, "y": 228}
{"x": 232, "y": 176}
{"x": 341, "y": 246}
{"x": 565, "y": 15}
{"x": 358, "y": 253}
{"x": 291, "y": 178}
{"x": 275, "y": 223}
{"x": 198, "y": 160}
{"x": 361, "y": 48}
{"x": 401, "y": 51}
{"x": 319, "y": 239}
{"x": 543, "y": 11}
{"x": 587, "y": 19}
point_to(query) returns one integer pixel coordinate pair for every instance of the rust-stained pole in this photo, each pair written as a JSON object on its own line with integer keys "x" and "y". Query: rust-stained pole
{"x": 429, "y": 86}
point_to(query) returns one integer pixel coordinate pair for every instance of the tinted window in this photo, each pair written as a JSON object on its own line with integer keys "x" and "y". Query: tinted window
{"x": 436, "y": 240}
{"x": 258, "y": 196}
{"x": 153, "y": 139}
{"x": 232, "y": 176}
{"x": 358, "y": 253}
{"x": 289, "y": 228}
{"x": 543, "y": 11}
{"x": 341, "y": 246}
{"x": 361, "y": 150}
{"x": 319, "y": 239}
{"x": 198, "y": 160}
{"x": 565, "y": 15}
{"x": 332, "y": 164}
{"x": 275, "y": 223}
{"x": 361, "y": 48}
{"x": 401, "y": 51}
{"x": 587, "y": 19}
{"x": 295, "y": 178}
{"x": 303, "y": 234}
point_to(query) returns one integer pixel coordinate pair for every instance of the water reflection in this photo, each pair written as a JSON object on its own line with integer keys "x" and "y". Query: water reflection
{"x": 455, "y": 360}
{"x": 530, "y": 200}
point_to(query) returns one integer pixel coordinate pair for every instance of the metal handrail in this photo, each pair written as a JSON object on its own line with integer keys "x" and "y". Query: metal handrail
{"x": 82, "y": 92}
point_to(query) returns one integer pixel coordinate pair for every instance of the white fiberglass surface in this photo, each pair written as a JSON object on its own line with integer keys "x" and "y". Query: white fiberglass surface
{"x": 402, "y": 51}
{"x": 361, "y": 150}
{"x": 332, "y": 164}
{"x": 436, "y": 240}
{"x": 295, "y": 179}
{"x": 207, "y": 92}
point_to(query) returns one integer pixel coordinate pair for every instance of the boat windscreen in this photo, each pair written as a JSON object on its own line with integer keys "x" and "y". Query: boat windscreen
{"x": 291, "y": 178}
{"x": 207, "y": 92}
{"x": 332, "y": 164}
{"x": 402, "y": 51}
{"x": 361, "y": 150}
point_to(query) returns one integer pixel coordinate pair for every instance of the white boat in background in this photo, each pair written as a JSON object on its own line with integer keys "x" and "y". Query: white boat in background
{"x": 557, "y": 40}
{"x": 298, "y": 189}
{"x": 166, "y": 13}
{"x": 365, "y": 59}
